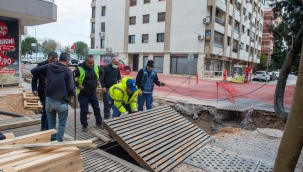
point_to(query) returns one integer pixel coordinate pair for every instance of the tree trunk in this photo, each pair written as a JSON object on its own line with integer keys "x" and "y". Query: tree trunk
{"x": 292, "y": 140}
{"x": 280, "y": 88}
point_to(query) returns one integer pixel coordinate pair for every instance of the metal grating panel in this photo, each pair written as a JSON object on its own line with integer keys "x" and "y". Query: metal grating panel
{"x": 219, "y": 160}
{"x": 158, "y": 139}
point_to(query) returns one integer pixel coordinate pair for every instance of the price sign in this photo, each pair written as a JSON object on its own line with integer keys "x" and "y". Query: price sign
{"x": 5, "y": 61}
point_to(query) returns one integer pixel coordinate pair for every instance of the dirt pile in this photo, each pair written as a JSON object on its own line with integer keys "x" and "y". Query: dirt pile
{"x": 14, "y": 104}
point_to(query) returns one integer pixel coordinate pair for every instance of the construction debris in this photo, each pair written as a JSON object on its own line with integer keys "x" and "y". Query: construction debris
{"x": 41, "y": 156}
{"x": 14, "y": 104}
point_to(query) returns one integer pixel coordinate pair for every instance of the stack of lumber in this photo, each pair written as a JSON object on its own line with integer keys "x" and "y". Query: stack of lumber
{"x": 31, "y": 102}
{"x": 36, "y": 153}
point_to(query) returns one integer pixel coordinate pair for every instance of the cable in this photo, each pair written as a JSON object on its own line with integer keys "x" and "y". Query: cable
{"x": 217, "y": 54}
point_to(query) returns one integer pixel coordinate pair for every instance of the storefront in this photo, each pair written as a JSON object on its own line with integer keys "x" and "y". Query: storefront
{"x": 181, "y": 65}
{"x": 9, "y": 51}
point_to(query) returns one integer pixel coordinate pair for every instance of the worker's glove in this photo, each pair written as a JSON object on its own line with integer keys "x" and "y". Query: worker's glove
{"x": 125, "y": 113}
{"x": 135, "y": 110}
{"x": 162, "y": 84}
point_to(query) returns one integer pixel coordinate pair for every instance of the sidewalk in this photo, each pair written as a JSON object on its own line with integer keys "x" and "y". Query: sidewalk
{"x": 15, "y": 90}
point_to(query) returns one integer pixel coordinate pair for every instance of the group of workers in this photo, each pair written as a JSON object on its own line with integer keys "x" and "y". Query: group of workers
{"x": 56, "y": 84}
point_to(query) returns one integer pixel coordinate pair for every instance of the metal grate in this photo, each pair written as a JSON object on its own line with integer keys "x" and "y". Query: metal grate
{"x": 158, "y": 139}
{"x": 219, "y": 160}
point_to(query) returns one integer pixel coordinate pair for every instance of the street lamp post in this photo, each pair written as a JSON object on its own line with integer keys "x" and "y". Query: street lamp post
{"x": 36, "y": 43}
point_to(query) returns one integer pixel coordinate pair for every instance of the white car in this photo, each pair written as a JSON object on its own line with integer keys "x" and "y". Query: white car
{"x": 261, "y": 75}
{"x": 277, "y": 74}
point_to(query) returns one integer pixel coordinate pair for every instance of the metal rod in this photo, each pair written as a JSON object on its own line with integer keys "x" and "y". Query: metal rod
{"x": 217, "y": 92}
{"x": 75, "y": 104}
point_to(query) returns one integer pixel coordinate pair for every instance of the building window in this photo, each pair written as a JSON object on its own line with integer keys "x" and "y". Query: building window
{"x": 252, "y": 36}
{"x": 237, "y": 24}
{"x": 93, "y": 12}
{"x": 228, "y": 41}
{"x": 218, "y": 38}
{"x": 92, "y": 43}
{"x": 230, "y": 20}
{"x": 161, "y": 17}
{"x": 93, "y": 27}
{"x": 160, "y": 37}
{"x": 251, "y": 51}
{"x": 248, "y": 32}
{"x": 260, "y": 40}
{"x": 146, "y": 18}
{"x": 131, "y": 39}
{"x": 235, "y": 46}
{"x": 102, "y": 43}
{"x": 146, "y": 1}
{"x": 103, "y": 11}
{"x": 103, "y": 27}
{"x": 243, "y": 28}
{"x": 145, "y": 38}
{"x": 132, "y": 20}
{"x": 231, "y": 1}
{"x": 247, "y": 48}
{"x": 133, "y": 2}
{"x": 244, "y": 11}
{"x": 262, "y": 13}
{"x": 249, "y": 16}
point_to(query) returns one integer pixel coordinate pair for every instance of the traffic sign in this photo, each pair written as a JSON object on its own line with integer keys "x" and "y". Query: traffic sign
{"x": 5, "y": 61}
{"x": 190, "y": 57}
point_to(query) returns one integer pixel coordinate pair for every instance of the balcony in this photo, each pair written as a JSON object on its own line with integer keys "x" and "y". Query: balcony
{"x": 30, "y": 12}
{"x": 223, "y": 1}
{"x": 236, "y": 31}
{"x": 219, "y": 21}
{"x": 237, "y": 12}
{"x": 235, "y": 50}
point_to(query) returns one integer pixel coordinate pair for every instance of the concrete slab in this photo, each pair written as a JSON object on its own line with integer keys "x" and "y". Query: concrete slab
{"x": 271, "y": 132}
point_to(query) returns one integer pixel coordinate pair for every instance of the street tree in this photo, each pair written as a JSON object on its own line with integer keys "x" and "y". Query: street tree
{"x": 26, "y": 45}
{"x": 263, "y": 61}
{"x": 67, "y": 49}
{"x": 290, "y": 13}
{"x": 81, "y": 49}
{"x": 49, "y": 45}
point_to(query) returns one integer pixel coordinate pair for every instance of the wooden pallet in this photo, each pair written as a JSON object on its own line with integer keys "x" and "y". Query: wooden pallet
{"x": 29, "y": 96}
{"x": 158, "y": 139}
{"x": 32, "y": 104}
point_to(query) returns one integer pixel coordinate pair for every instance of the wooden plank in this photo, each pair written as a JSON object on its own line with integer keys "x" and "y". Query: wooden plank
{"x": 18, "y": 157}
{"x": 174, "y": 161}
{"x": 62, "y": 165}
{"x": 155, "y": 143}
{"x": 19, "y": 124}
{"x": 183, "y": 147}
{"x": 134, "y": 115}
{"x": 46, "y": 146}
{"x": 139, "y": 117}
{"x": 147, "y": 120}
{"x": 8, "y": 169}
{"x": 27, "y": 95}
{"x": 100, "y": 136}
{"x": 30, "y": 138}
{"x": 49, "y": 159}
{"x": 152, "y": 130}
{"x": 120, "y": 161}
{"x": 153, "y": 155}
{"x": 158, "y": 135}
{"x": 152, "y": 126}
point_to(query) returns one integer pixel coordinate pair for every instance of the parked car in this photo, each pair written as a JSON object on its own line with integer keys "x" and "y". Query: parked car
{"x": 124, "y": 69}
{"x": 25, "y": 60}
{"x": 261, "y": 75}
{"x": 276, "y": 73}
{"x": 74, "y": 61}
{"x": 272, "y": 75}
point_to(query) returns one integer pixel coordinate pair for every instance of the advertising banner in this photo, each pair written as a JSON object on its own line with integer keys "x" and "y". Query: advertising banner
{"x": 9, "y": 51}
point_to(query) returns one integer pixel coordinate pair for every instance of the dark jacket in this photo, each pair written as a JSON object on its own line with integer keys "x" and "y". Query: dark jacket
{"x": 139, "y": 79}
{"x": 90, "y": 80}
{"x": 60, "y": 83}
{"x": 41, "y": 85}
{"x": 111, "y": 76}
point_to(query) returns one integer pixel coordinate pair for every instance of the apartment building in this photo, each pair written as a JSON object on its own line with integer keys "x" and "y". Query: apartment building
{"x": 218, "y": 33}
{"x": 268, "y": 22}
{"x": 15, "y": 17}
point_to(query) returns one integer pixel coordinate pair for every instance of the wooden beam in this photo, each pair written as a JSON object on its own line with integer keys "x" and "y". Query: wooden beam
{"x": 100, "y": 136}
{"x": 8, "y": 169}
{"x": 43, "y": 136}
{"x": 45, "y": 146}
{"x": 19, "y": 124}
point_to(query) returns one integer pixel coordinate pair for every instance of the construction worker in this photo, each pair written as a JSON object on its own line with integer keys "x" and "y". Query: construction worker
{"x": 88, "y": 77}
{"x": 124, "y": 96}
{"x": 146, "y": 78}
{"x": 40, "y": 90}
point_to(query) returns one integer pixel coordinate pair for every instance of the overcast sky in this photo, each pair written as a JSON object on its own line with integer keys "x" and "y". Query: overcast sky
{"x": 73, "y": 23}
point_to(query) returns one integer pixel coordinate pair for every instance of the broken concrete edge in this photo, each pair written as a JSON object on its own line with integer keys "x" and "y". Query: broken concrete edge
{"x": 271, "y": 132}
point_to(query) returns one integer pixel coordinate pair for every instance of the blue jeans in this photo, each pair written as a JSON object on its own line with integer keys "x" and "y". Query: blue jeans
{"x": 149, "y": 101}
{"x": 116, "y": 112}
{"x": 53, "y": 107}
{"x": 94, "y": 102}
{"x": 44, "y": 124}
